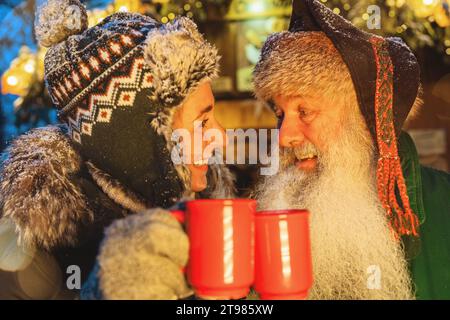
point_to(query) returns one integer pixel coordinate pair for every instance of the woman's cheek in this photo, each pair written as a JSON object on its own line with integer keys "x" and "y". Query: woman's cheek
{"x": 198, "y": 179}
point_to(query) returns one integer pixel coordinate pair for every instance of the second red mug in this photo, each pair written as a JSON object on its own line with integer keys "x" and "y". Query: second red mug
{"x": 283, "y": 266}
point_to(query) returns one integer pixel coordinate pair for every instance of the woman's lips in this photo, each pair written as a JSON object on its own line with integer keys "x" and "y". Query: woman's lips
{"x": 201, "y": 165}
{"x": 306, "y": 164}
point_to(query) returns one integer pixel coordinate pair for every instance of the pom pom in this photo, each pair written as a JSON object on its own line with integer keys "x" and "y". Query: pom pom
{"x": 56, "y": 20}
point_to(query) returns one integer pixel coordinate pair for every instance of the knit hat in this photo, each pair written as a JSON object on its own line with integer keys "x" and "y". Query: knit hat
{"x": 384, "y": 74}
{"x": 117, "y": 85}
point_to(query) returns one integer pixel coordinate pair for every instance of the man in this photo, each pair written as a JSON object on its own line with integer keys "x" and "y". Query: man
{"x": 380, "y": 222}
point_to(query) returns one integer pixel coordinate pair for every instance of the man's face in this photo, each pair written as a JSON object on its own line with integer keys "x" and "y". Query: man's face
{"x": 308, "y": 125}
{"x": 328, "y": 167}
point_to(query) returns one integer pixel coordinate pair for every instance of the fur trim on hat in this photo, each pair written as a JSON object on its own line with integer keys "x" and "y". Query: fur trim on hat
{"x": 179, "y": 58}
{"x": 115, "y": 190}
{"x": 36, "y": 191}
{"x": 301, "y": 63}
{"x": 222, "y": 181}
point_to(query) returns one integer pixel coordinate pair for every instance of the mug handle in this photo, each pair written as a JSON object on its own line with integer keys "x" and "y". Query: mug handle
{"x": 180, "y": 216}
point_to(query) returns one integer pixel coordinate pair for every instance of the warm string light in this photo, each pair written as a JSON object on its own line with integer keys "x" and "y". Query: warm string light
{"x": 429, "y": 2}
{"x": 21, "y": 74}
{"x": 188, "y": 9}
{"x": 256, "y": 7}
{"x": 96, "y": 16}
{"x": 28, "y": 67}
{"x": 12, "y": 81}
{"x": 127, "y": 5}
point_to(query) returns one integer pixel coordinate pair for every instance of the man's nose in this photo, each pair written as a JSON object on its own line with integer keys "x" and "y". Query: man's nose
{"x": 291, "y": 135}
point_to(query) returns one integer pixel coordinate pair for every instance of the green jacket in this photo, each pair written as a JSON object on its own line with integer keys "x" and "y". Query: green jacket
{"x": 429, "y": 194}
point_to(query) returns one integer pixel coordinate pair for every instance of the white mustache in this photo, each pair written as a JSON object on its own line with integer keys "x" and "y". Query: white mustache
{"x": 303, "y": 152}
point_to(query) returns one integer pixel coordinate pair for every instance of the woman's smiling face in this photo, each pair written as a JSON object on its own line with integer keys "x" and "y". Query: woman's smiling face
{"x": 197, "y": 112}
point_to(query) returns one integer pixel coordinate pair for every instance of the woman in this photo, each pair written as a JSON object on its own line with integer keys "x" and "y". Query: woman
{"x": 121, "y": 88}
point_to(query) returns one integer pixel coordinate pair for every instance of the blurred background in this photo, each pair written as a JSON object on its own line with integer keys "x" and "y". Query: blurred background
{"x": 238, "y": 28}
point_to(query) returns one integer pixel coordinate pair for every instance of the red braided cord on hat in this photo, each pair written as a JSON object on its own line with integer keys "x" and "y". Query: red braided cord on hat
{"x": 389, "y": 171}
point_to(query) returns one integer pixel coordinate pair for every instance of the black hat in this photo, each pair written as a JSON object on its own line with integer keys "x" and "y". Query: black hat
{"x": 385, "y": 77}
{"x": 357, "y": 51}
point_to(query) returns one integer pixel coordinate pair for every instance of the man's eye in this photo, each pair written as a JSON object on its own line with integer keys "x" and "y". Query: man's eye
{"x": 303, "y": 113}
{"x": 278, "y": 113}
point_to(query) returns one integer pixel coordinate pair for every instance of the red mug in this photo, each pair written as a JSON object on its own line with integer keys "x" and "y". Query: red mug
{"x": 283, "y": 266}
{"x": 221, "y": 250}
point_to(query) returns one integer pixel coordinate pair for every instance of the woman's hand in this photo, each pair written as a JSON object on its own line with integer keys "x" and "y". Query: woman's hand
{"x": 141, "y": 257}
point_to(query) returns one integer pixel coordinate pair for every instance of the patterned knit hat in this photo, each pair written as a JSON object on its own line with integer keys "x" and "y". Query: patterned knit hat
{"x": 384, "y": 74}
{"x": 117, "y": 85}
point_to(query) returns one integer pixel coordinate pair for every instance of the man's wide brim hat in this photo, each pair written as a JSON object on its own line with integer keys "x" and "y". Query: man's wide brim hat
{"x": 385, "y": 76}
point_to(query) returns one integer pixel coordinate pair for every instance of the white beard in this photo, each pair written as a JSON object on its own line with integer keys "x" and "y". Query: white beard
{"x": 350, "y": 235}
